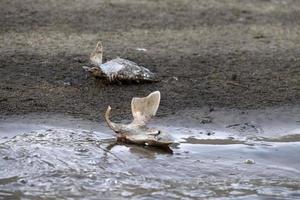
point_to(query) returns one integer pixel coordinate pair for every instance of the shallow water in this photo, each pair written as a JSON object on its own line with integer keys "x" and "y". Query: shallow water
{"x": 233, "y": 157}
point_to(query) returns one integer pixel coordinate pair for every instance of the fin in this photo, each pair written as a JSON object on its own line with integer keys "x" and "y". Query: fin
{"x": 115, "y": 127}
{"x": 143, "y": 109}
{"x": 97, "y": 54}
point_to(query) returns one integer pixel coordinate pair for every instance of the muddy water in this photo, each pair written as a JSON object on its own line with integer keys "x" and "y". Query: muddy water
{"x": 218, "y": 154}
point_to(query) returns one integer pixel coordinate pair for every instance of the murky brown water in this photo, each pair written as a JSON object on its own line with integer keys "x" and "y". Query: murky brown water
{"x": 232, "y": 155}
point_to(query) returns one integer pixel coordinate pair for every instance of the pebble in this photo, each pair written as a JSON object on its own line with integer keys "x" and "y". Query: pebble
{"x": 249, "y": 161}
{"x": 141, "y": 49}
{"x": 126, "y": 193}
{"x": 23, "y": 181}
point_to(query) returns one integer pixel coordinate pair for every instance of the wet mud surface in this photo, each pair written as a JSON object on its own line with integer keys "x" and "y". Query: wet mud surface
{"x": 236, "y": 54}
{"x": 249, "y": 154}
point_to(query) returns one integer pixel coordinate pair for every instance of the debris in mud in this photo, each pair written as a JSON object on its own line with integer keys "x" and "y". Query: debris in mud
{"x": 245, "y": 127}
{"x": 259, "y": 36}
{"x": 79, "y": 59}
{"x": 118, "y": 69}
{"x": 81, "y": 149}
{"x": 23, "y": 181}
{"x": 5, "y": 158}
{"x": 206, "y": 120}
{"x": 232, "y": 125}
{"x": 171, "y": 79}
{"x": 233, "y": 77}
{"x": 236, "y": 84}
{"x": 141, "y": 49}
{"x": 3, "y": 99}
{"x": 143, "y": 109}
{"x": 209, "y": 133}
{"x": 40, "y": 135}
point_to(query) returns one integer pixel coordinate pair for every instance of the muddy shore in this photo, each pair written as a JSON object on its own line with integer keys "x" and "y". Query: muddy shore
{"x": 235, "y": 54}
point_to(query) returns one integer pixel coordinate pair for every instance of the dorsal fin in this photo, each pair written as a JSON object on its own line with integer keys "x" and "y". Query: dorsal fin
{"x": 143, "y": 109}
{"x": 97, "y": 55}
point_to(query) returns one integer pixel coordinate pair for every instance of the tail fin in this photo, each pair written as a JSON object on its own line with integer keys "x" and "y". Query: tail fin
{"x": 143, "y": 109}
{"x": 111, "y": 124}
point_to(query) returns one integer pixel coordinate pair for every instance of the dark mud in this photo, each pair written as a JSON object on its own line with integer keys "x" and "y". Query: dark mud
{"x": 236, "y": 54}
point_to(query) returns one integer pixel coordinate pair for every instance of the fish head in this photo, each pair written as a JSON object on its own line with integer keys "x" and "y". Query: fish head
{"x": 95, "y": 71}
{"x": 145, "y": 136}
{"x": 158, "y": 137}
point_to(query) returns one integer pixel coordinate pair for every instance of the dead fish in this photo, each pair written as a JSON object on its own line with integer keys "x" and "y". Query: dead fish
{"x": 118, "y": 69}
{"x": 137, "y": 132}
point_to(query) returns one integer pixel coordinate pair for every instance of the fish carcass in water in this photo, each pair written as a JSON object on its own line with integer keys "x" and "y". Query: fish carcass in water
{"x": 137, "y": 132}
{"x": 118, "y": 69}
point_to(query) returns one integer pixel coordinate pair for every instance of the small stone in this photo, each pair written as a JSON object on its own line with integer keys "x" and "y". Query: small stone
{"x": 210, "y": 133}
{"x": 126, "y": 193}
{"x": 66, "y": 83}
{"x": 92, "y": 176}
{"x": 5, "y": 158}
{"x": 259, "y": 36}
{"x": 92, "y": 162}
{"x": 23, "y": 181}
{"x": 175, "y": 78}
{"x": 79, "y": 60}
{"x": 249, "y": 161}
{"x": 206, "y": 120}
{"x": 233, "y": 77}
{"x": 40, "y": 135}
{"x": 82, "y": 150}
{"x": 141, "y": 49}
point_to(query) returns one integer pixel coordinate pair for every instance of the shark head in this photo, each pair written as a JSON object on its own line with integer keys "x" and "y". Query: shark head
{"x": 143, "y": 109}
